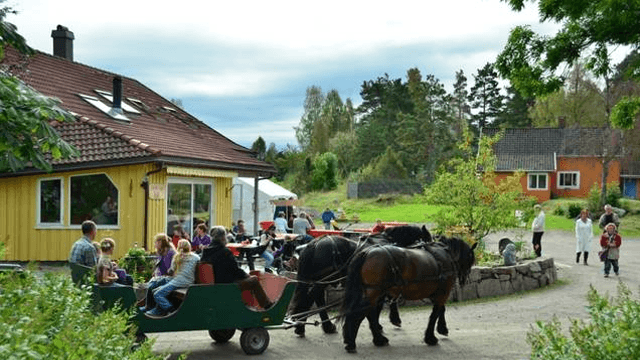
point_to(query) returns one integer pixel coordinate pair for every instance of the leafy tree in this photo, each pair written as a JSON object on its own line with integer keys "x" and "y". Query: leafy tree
{"x": 312, "y": 112}
{"x": 344, "y": 145}
{"x": 324, "y": 172}
{"x": 589, "y": 29}
{"x": 475, "y": 199}
{"x": 578, "y": 102}
{"x": 26, "y": 136}
{"x": 259, "y": 147}
{"x": 485, "y": 97}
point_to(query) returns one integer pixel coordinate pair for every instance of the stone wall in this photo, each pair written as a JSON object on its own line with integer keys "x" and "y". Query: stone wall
{"x": 487, "y": 281}
{"x": 504, "y": 280}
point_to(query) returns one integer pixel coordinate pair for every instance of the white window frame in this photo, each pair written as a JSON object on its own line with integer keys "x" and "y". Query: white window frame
{"x": 38, "y": 198}
{"x": 538, "y": 175}
{"x": 575, "y": 186}
{"x": 98, "y": 226}
{"x": 192, "y": 182}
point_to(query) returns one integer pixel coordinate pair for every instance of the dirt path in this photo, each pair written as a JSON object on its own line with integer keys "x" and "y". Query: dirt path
{"x": 492, "y": 329}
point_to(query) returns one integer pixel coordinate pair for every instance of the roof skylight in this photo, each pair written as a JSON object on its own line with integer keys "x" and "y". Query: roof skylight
{"x": 103, "y": 107}
{"x": 126, "y": 107}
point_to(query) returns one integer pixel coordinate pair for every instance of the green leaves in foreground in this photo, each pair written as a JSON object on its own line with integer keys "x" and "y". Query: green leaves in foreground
{"x": 25, "y": 133}
{"x": 49, "y": 318}
{"x": 612, "y": 333}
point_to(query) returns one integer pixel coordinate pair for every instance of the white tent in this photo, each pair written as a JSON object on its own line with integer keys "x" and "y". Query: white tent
{"x": 243, "y": 200}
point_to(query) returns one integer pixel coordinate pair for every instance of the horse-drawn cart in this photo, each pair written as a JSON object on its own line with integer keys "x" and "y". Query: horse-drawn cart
{"x": 219, "y": 308}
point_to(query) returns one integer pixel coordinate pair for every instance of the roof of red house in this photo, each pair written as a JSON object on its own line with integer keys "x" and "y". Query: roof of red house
{"x": 536, "y": 149}
{"x": 156, "y": 129}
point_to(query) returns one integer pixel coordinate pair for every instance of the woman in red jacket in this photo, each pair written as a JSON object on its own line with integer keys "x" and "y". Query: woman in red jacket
{"x": 611, "y": 241}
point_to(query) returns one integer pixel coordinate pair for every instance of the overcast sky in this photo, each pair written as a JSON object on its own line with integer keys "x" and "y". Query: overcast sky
{"x": 243, "y": 67}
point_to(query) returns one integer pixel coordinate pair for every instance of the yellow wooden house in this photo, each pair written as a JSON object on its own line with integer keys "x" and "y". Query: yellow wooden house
{"x": 145, "y": 165}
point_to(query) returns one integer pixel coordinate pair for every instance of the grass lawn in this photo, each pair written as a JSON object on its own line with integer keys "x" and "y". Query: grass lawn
{"x": 413, "y": 209}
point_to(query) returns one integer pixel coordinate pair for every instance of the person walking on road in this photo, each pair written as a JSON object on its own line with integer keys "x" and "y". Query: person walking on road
{"x": 584, "y": 234}
{"x": 608, "y": 217}
{"x": 327, "y": 216}
{"x": 537, "y": 228}
{"x": 610, "y": 242}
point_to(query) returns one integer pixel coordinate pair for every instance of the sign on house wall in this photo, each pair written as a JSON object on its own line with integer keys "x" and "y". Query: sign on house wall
{"x": 156, "y": 191}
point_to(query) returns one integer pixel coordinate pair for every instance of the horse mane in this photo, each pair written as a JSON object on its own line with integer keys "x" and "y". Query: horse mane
{"x": 462, "y": 254}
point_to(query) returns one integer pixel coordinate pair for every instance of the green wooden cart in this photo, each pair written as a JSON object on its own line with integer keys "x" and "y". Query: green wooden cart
{"x": 221, "y": 309}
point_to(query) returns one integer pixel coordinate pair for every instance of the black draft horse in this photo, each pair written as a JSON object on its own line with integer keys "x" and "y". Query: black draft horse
{"x": 389, "y": 271}
{"x": 325, "y": 260}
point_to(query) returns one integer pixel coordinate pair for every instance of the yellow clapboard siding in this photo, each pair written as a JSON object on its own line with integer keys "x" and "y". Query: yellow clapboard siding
{"x": 25, "y": 241}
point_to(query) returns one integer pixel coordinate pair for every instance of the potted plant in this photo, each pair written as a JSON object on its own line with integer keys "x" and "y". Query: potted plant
{"x": 139, "y": 264}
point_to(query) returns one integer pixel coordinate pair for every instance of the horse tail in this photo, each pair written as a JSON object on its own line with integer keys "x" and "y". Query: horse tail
{"x": 354, "y": 289}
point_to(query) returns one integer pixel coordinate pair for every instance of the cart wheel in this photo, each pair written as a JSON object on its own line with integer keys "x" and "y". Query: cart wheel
{"x": 222, "y": 336}
{"x": 254, "y": 341}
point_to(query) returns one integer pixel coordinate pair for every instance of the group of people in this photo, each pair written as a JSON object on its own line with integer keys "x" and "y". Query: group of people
{"x": 610, "y": 240}
{"x": 175, "y": 267}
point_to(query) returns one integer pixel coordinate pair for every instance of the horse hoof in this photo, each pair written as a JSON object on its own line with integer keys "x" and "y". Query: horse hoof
{"x": 351, "y": 349}
{"x": 444, "y": 332}
{"x": 383, "y": 341}
{"x": 329, "y": 328}
{"x": 299, "y": 331}
{"x": 397, "y": 323}
{"x": 431, "y": 341}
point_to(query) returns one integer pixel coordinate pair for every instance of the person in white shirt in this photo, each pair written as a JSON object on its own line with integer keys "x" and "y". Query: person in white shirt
{"x": 281, "y": 223}
{"x": 584, "y": 235}
{"x": 538, "y": 229}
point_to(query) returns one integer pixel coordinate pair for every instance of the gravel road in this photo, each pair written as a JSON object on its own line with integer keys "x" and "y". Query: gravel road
{"x": 487, "y": 329}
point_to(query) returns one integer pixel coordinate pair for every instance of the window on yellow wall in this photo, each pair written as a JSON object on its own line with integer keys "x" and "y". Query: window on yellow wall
{"x": 49, "y": 202}
{"x": 537, "y": 182}
{"x": 568, "y": 180}
{"x": 93, "y": 197}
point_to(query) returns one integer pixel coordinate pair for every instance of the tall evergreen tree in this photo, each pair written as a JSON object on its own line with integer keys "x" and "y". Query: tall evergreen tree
{"x": 259, "y": 147}
{"x": 516, "y": 111}
{"x": 312, "y": 113}
{"x": 461, "y": 95}
{"x": 485, "y": 97}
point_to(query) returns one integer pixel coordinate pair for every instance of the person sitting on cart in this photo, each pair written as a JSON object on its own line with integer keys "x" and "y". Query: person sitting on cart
{"x": 106, "y": 269}
{"x": 162, "y": 272}
{"x": 184, "y": 268}
{"x": 226, "y": 269}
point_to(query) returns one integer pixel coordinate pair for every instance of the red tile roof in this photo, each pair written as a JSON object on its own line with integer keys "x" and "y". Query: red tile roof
{"x": 156, "y": 133}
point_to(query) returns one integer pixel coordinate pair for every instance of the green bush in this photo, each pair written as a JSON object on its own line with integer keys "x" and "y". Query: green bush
{"x": 559, "y": 211}
{"x": 47, "y": 317}
{"x": 574, "y": 211}
{"x": 612, "y": 332}
{"x": 613, "y": 197}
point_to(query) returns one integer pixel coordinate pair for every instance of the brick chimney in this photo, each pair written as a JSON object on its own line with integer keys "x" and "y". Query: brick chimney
{"x": 62, "y": 42}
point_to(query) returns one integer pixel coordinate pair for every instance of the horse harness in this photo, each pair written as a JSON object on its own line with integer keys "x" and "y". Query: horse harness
{"x": 430, "y": 247}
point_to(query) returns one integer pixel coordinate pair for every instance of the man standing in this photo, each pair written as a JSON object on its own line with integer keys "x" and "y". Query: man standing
{"x": 538, "y": 229}
{"x": 83, "y": 252}
{"x": 327, "y": 216}
{"x": 608, "y": 217}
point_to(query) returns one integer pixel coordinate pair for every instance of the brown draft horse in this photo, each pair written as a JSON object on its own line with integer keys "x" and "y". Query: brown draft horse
{"x": 325, "y": 259}
{"x": 389, "y": 271}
